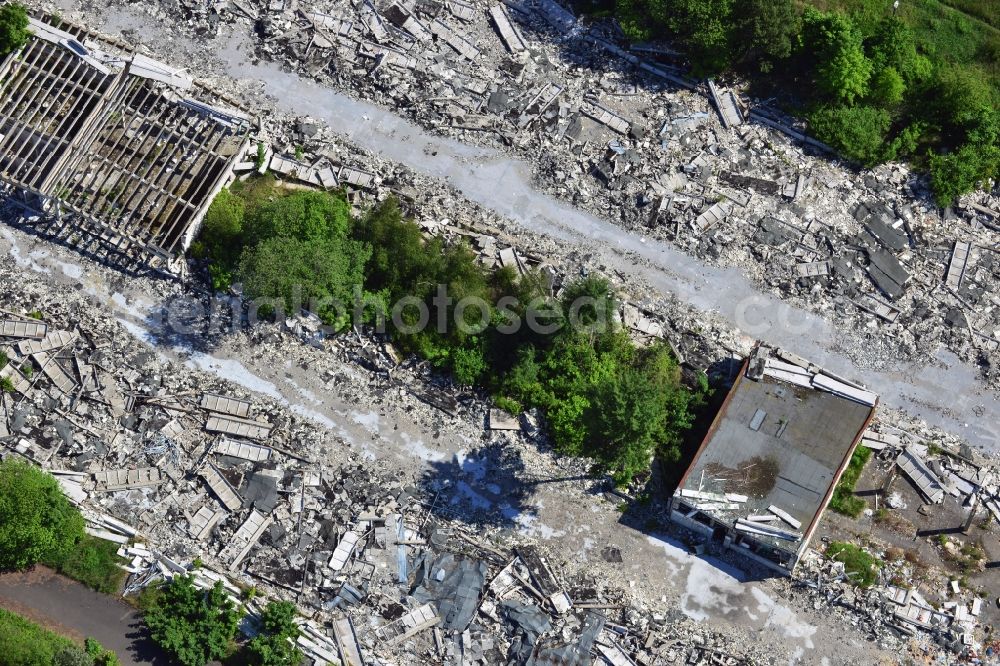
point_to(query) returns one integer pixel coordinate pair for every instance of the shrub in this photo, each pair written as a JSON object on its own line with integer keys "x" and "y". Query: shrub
{"x": 193, "y": 626}
{"x": 857, "y": 132}
{"x": 13, "y": 28}
{"x": 37, "y": 522}
{"x": 93, "y": 562}
{"x": 843, "y": 500}
{"x": 26, "y": 644}
{"x": 275, "y": 644}
{"x": 861, "y": 567}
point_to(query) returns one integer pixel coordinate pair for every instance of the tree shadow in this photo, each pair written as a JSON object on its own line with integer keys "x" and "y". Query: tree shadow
{"x": 143, "y": 649}
{"x": 489, "y": 485}
{"x": 483, "y": 487}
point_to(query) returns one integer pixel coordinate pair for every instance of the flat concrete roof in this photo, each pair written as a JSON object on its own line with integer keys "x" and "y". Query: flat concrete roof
{"x": 780, "y": 443}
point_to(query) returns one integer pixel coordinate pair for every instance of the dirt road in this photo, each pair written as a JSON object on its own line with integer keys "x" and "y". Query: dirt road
{"x": 70, "y": 609}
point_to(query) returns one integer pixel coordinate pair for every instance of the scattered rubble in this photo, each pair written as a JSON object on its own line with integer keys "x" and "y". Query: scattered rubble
{"x": 624, "y": 134}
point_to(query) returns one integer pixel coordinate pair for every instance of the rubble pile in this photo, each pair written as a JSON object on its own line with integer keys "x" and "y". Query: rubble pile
{"x": 178, "y": 466}
{"x": 893, "y": 606}
{"x": 623, "y": 134}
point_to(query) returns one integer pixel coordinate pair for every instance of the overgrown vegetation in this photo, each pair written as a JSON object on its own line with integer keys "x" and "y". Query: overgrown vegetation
{"x": 601, "y": 395}
{"x": 13, "y": 28}
{"x": 923, "y": 84}
{"x": 843, "y": 500}
{"x": 38, "y": 524}
{"x": 193, "y": 626}
{"x": 275, "y": 644}
{"x": 861, "y": 567}
{"x": 23, "y": 643}
{"x": 93, "y": 562}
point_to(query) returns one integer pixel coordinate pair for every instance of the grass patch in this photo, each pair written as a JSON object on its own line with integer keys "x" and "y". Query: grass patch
{"x": 94, "y": 563}
{"x": 26, "y": 644}
{"x": 843, "y": 500}
{"x": 861, "y": 567}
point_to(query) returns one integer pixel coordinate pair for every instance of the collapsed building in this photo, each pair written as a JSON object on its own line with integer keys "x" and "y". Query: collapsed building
{"x": 116, "y": 153}
{"x": 772, "y": 457}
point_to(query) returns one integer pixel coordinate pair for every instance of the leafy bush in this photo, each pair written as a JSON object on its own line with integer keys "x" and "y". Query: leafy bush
{"x": 858, "y": 132}
{"x": 98, "y": 655}
{"x": 841, "y": 69}
{"x": 193, "y": 626}
{"x": 37, "y": 522}
{"x": 13, "y": 28}
{"x": 93, "y": 562}
{"x": 861, "y": 567}
{"x": 275, "y": 644}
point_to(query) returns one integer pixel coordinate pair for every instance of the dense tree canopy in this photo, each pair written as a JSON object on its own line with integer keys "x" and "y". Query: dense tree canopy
{"x": 275, "y": 644}
{"x": 13, "y": 28}
{"x": 498, "y": 329}
{"x": 874, "y": 84}
{"x": 37, "y": 522}
{"x": 192, "y": 625}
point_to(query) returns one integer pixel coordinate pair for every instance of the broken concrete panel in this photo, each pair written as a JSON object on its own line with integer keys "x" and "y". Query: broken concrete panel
{"x": 715, "y": 214}
{"x": 347, "y": 642}
{"x": 343, "y": 551}
{"x": 926, "y": 481}
{"x": 958, "y": 265}
{"x": 408, "y": 625}
{"x": 204, "y": 520}
{"x": 225, "y": 405}
{"x": 53, "y": 340}
{"x": 242, "y": 450}
{"x": 125, "y": 479}
{"x": 813, "y": 269}
{"x": 245, "y": 538}
{"x": 887, "y": 273}
{"x": 231, "y": 425}
{"x": 19, "y": 328}
{"x": 605, "y": 117}
{"x": 879, "y": 308}
{"x": 726, "y": 104}
{"x": 509, "y": 33}
{"x": 222, "y": 488}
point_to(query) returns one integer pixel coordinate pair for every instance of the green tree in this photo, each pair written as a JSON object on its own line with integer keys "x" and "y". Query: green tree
{"x": 892, "y": 44}
{"x": 766, "y": 31}
{"x": 319, "y": 275}
{"x": 275, "y": 644}
{"x": 887, "y": 87}
{"x": 704, "y": 27}
{"x": 857, "y": 132}
{"x": 14, "y": 31}
{"x": 840, "y": 67}
{"x": 37, "y": 522}
{"x": 191, "y": 625}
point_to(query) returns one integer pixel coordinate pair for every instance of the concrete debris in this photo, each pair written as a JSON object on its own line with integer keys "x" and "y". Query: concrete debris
{"x": 278, "y": 521}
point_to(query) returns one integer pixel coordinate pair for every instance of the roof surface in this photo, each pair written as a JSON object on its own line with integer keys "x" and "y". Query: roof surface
{"x": 779, "y": 443}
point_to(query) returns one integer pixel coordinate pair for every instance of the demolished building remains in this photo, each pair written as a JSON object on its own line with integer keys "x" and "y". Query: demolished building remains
{"x": 768, "y": 466}
{"x": 114, "y": 151}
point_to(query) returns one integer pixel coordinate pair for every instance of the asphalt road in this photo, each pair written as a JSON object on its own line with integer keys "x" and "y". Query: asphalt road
{"x": 70, "y": 609}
